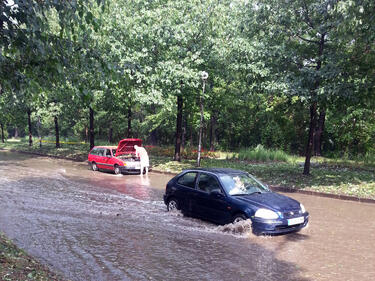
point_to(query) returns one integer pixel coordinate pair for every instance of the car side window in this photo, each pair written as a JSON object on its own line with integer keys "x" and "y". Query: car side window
{"x": 208, "y": 183}
{"x": 94, "y": 151}
{"x": 108, "y": 153}
{"x": 101, "y": 152}
{"x": 188, "y": 179}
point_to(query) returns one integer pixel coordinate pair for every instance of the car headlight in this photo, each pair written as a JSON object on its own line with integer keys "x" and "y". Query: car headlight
{"x": 303, "y": 210}
{"x": 266, "y": 214}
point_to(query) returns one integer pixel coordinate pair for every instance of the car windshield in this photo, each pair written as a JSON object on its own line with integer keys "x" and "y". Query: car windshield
{"x": 242, "y": 184}
{"x": 114, "y": 152}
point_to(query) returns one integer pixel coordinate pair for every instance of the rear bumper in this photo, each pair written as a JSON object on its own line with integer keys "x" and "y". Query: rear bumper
{"x": 279, "y": 226}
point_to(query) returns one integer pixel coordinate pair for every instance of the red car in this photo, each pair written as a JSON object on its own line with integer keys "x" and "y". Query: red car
{"x": 119, "y": 159}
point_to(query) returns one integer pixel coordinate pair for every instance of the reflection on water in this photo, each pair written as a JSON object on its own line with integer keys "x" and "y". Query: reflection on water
{"x": 98, "y": 226}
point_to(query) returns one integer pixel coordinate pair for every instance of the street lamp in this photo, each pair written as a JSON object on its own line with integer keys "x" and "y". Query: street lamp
{"x": 204, "y": 76}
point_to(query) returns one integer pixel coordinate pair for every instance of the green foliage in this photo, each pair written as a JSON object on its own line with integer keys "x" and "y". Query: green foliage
{"x": 187, "y": 152}
{"x": 261, "y": 154}
{"x": 369, "y": 158}
{"x": 129, "y": 60}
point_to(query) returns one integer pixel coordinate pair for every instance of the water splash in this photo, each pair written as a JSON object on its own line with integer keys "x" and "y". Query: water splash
{"x": 242, "y": 228}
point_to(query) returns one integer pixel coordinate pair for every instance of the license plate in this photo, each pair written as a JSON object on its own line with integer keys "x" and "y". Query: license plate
{"x": 296, "y": 221}
{"x": 133, "y": 165}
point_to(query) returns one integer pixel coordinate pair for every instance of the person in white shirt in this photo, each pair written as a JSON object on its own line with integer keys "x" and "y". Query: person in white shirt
{"x": 143, "y": 156}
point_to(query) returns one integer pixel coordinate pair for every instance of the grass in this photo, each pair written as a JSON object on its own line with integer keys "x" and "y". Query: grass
{"x": 262, "y": 154}
{"x": 70, "y": 151}
{"x": 16, "y": 265}
{"x": 325, "y": 177}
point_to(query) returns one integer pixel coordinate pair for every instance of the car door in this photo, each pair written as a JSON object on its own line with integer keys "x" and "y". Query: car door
{"x": 211, "y": 205}
{"x": 93, "y": 155}
{"x": 100, "y": 159}
{"x": 185, "y": 191}
{"x": 107, "y": 159}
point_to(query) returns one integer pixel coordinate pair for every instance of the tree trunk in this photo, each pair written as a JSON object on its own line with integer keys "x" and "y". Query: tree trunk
{"x": 313, "y": 109}
{"x": 154, "y": 133}
{"x": 177, "y": 149}
{"x": 87, "y": 133}
{"x": 318, "y": 134}
{"x": 2, "y": 133}
{"x": 183, "y": 138}
{"x": 191, "y": 136}
{"x": 15, "y": 132}
{"x": 39, "y": 135}
{"x": 57, "y": 133}
{"x": 110, "y": 132}
{"x": 29, "y": 125}
{"x": 129, "y": 133}
{"x": 309, "y": 147}
{"x": 91, "y": 129}
{"x": 200, "y": 128}
{"x": 154, "y": 137}
{"x": 212, "y": 133}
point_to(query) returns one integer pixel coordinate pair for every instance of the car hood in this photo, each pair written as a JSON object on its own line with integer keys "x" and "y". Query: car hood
{"x": 271, "y": 200}
{"x": 126, "y": 146}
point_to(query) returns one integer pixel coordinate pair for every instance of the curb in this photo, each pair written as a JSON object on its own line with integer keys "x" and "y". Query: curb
{"x": 321, "y": 194}
{"x": 164, "y": 172}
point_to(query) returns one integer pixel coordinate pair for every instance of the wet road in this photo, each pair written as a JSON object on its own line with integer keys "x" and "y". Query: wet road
{"x": 98, "y": 226}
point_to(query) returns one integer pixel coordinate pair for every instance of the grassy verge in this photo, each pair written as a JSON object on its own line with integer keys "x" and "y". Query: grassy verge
{"x": 325, "y": 177}
{"x": 335, "y": 176}
{"x": 17, "y": 265}
{"x": 69, "y": 151}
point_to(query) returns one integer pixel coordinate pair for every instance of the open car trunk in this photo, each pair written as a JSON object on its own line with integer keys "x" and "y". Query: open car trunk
{"x": 125, "y": 149}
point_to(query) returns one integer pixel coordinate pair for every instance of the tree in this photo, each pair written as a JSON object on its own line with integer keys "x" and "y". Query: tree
{"x": 302, "y": 43}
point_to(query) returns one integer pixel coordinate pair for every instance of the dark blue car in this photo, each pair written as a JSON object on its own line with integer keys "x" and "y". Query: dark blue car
{"x": 228, "y": 196}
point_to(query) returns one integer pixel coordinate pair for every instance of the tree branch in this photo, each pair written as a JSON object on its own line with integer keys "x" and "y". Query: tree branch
{"x": 307, "y": 17}
{"x": 308, "y": 40}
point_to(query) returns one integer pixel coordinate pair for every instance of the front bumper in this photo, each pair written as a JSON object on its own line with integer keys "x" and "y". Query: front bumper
{"x": 278, "y": 226}
{"x": 126, "y": 169}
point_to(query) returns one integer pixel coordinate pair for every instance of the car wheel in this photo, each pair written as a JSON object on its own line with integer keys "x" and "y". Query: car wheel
{"x": 239, "y": 217}
{"x": 94, "y": 167}
{"x": 172, "y": 205}
{"x": 117, "y": 170}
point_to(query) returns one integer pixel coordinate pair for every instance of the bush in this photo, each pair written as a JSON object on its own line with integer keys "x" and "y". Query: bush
{"x": 160, "y": 151}
{"x": 262, "y": 154}
{"x": 187, "y": 152}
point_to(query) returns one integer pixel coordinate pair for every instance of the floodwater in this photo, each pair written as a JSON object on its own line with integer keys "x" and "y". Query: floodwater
{"x": 98, "y": 226}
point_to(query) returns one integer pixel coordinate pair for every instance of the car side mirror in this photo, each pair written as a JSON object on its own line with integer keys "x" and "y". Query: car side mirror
{"x": 216, "y": 193}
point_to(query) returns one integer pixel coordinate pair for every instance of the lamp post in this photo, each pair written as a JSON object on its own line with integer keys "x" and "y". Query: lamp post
{"x": 204, "y": 76}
